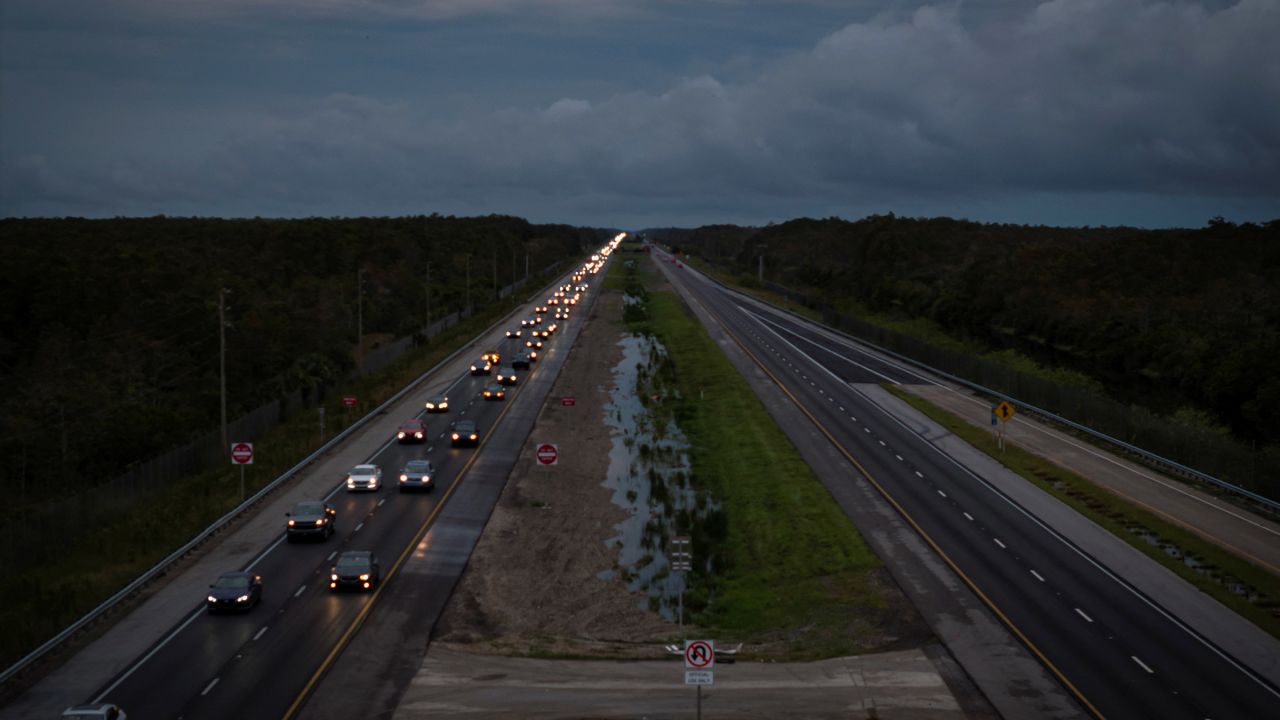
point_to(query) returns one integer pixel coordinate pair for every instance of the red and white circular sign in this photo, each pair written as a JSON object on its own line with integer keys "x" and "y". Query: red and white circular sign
{"x": 699, "y": 654}
{"x": 547, "y": 454}
{"x": 242, "y": 453}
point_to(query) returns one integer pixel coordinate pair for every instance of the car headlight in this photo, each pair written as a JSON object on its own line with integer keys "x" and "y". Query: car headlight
{"x": 364, "y": 576}
{"x": 431, "y": 406}
{"x": 321, "y": 521}
{"x": 473, "y": 436}
{"x": 212, "y": 599}
{"x": 243, "y": 598}
{"x": 333, "y": 577}
{"x": 291, "y": 523}
{"x": 400, "y": 436}
{"x": 444, "y": 405}
{"x": 455, "y": 436}
{"x": 404, "y": 478}
{"x": 351, "y": 482}
{"x": 418, "y": 435}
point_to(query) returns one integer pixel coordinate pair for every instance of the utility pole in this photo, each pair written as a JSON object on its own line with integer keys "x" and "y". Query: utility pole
{"x": 360, "y": 320}
{"x": 222, "y": 361}
{"x": 428, "y": 299}
{"x": 761, "y": 248}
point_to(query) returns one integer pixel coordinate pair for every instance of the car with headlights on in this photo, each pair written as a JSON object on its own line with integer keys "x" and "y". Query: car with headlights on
{"x": 413, "y": 430}
{"x": 507, "y": 376}
{"x": 492, "y": 357}
{"x": 310, "y": 519}
{"x": 234, "y": 592}
{"x": 514, "y": 332}
{"x": 437, "y": 404}
{"x": 364, "y": 477}
{"x": 523, "y": 360}
{"x": 481, "y": 367}
{"x": 494, "y": 392}
{"x": 94, "y": 711}
{"x": 417, "y": 475}
{"x": 355, "y": 569}
{"x": 465, "y": 432}
{"x": 535, "y": 343}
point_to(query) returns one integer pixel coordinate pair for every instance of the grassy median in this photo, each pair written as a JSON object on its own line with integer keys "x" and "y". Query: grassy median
{"x": 1219, "y": 570}
{"x": 796, "y": 577}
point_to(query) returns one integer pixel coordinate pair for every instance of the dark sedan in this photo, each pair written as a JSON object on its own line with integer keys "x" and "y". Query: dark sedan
{"x": 465, "y": 432}
{"x": 355, "y": 569}
{"x": 417, "y": 475}
{"x": 310, "y": 519}
{"x": 234, "y": 592}
{"x": 437, "y": 404}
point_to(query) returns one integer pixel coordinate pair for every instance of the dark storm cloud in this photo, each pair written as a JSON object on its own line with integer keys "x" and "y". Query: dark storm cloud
{"x": 933, "y": 109}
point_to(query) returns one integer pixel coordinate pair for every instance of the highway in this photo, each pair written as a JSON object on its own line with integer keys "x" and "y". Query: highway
{"x": 263, "y": 663}
{"x": 1118, "y": 652}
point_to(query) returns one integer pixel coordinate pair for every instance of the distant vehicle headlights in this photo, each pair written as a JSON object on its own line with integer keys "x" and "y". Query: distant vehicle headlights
{"x": 364, "y": 577}
{"x": 292, "y": 523}
{"x": 212, "y": 599}
{"x": 473, "y": 436}
{"x": 400, "y": 435}
{"x": 242, "y": 598}
{"x": 333, "y": 577}
{"x": 418, "y": 434}
{"x": 404, "y": 478}
{"x": 455, "y": 436}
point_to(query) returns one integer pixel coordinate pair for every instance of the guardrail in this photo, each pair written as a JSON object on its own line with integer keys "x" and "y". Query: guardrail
{"x": 1128, "y": 447}
{"x": 218, "y": 524}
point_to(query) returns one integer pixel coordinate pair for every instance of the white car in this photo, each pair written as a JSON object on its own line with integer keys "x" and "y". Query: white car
{"x": 364, "y": 477}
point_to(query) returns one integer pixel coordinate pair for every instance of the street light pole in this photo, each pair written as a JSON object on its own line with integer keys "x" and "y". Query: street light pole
{"x": 222, "y": 361}
{"x": 360, "y": 319}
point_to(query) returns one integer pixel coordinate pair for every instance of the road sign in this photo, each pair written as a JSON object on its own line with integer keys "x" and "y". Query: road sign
{"x": 348, "y": 401}
{"x": 242, "y": 453}
{"x": 699, "y": 677}
{"x": 699, "y": 654}
{"x": 548, "y": 454}
{"x": 568, "y": 401}
{"x": 1004, "y": 410}
{"x": 680, "y": 554}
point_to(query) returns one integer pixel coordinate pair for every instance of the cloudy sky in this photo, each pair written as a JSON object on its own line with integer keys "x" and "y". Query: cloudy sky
{"x": 638, "y": 113}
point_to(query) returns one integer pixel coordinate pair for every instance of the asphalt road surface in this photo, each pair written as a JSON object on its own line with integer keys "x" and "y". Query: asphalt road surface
{"x": 1118, "y": 651}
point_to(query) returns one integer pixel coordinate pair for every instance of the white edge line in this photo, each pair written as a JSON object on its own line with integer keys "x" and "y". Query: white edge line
{"x": 147, "y": 657}
{"x": 1141, "y": 664}
{"x": 214, "y": 681}
{"x": 1038, "y": 576}
{"x": 1245, "y": 670}
{"x": 1083, "y": 615}
{"x": 301, "y": 590}
{"x": 260, "y": 632}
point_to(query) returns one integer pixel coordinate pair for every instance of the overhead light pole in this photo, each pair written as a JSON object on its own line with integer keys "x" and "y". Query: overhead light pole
{"x": 222, "y": 361}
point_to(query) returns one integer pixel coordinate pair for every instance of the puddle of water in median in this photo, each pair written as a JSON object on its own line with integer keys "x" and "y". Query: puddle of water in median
{"x": 649, "y": 476}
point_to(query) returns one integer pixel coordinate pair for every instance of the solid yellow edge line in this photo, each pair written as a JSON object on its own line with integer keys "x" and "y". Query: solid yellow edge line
{"x": 916, "y": 526}
{"x": 364, "y": 612}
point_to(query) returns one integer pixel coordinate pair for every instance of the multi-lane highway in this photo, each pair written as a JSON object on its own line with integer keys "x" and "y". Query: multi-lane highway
{"x": 261, "y": 664}
{"x": 1121, "y": 653}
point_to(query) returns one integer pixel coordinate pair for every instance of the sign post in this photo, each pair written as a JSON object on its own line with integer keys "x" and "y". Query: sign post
{"x": 242, "y": 454}
{"x": 1005, "y": 411}
{"x": 699, "y": 659}
{"x": 681, "y": 556}
{"x": 547, "y": 454}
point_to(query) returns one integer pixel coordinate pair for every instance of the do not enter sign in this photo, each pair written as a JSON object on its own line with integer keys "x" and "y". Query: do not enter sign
{"x": 547, "y": 454}
{"x": 242, "y": 453}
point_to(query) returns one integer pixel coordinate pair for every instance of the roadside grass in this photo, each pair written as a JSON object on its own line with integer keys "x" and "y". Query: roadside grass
{"x": 81, "y": 574}
{"x": 1218, "y": 568}
{"x": 797, "y": 578}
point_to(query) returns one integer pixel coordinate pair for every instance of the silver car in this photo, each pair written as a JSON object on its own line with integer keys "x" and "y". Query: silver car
{"x": 417, "y": 475}
{"x": 95, "y": 711}
{"x": 364, "y": 477}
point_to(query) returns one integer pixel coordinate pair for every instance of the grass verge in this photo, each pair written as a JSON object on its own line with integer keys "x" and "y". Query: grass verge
{"x": 80, "y": 575}
{"x": 1208, "y": 567}
{"x": 796, "y": 578}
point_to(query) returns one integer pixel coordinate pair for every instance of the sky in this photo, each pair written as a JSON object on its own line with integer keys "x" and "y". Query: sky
{"x": 643, "y": 113}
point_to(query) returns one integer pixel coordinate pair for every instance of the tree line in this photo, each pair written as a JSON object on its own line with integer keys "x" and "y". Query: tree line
{"x": 1185, "y": 322}
{"x": 109, "y": 338}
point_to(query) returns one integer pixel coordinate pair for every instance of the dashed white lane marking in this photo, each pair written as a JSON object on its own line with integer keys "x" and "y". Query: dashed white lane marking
{"x": 867, "y": 429}
{"x": 300, "y": 591}
{"x": 260, "y": 632}
{"x": 335, "y": 552}
{"x": 213, "y": 682}
{"x": 1002, "y": 546}
{"x": 970, "y": 519}
{"x": 358, "y": 527}
{"x": 433, "y": 447}
{"x": 899, "y": 457}
{"x": 1142, "y": 664}
{"x": 942, "y": 493}
{"x": 1083, "y": 615}
{"x": 1038, "y": 576}
{"x": 381, "y": 501}
{"x": 841, "y": 408}
{"x": 919, "y": 475}
{"x": 882, "y": 444}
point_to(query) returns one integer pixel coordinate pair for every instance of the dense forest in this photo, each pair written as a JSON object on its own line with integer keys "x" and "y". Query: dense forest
{"x": 1185, "y": 322}
{"x": 109, "y": 338}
